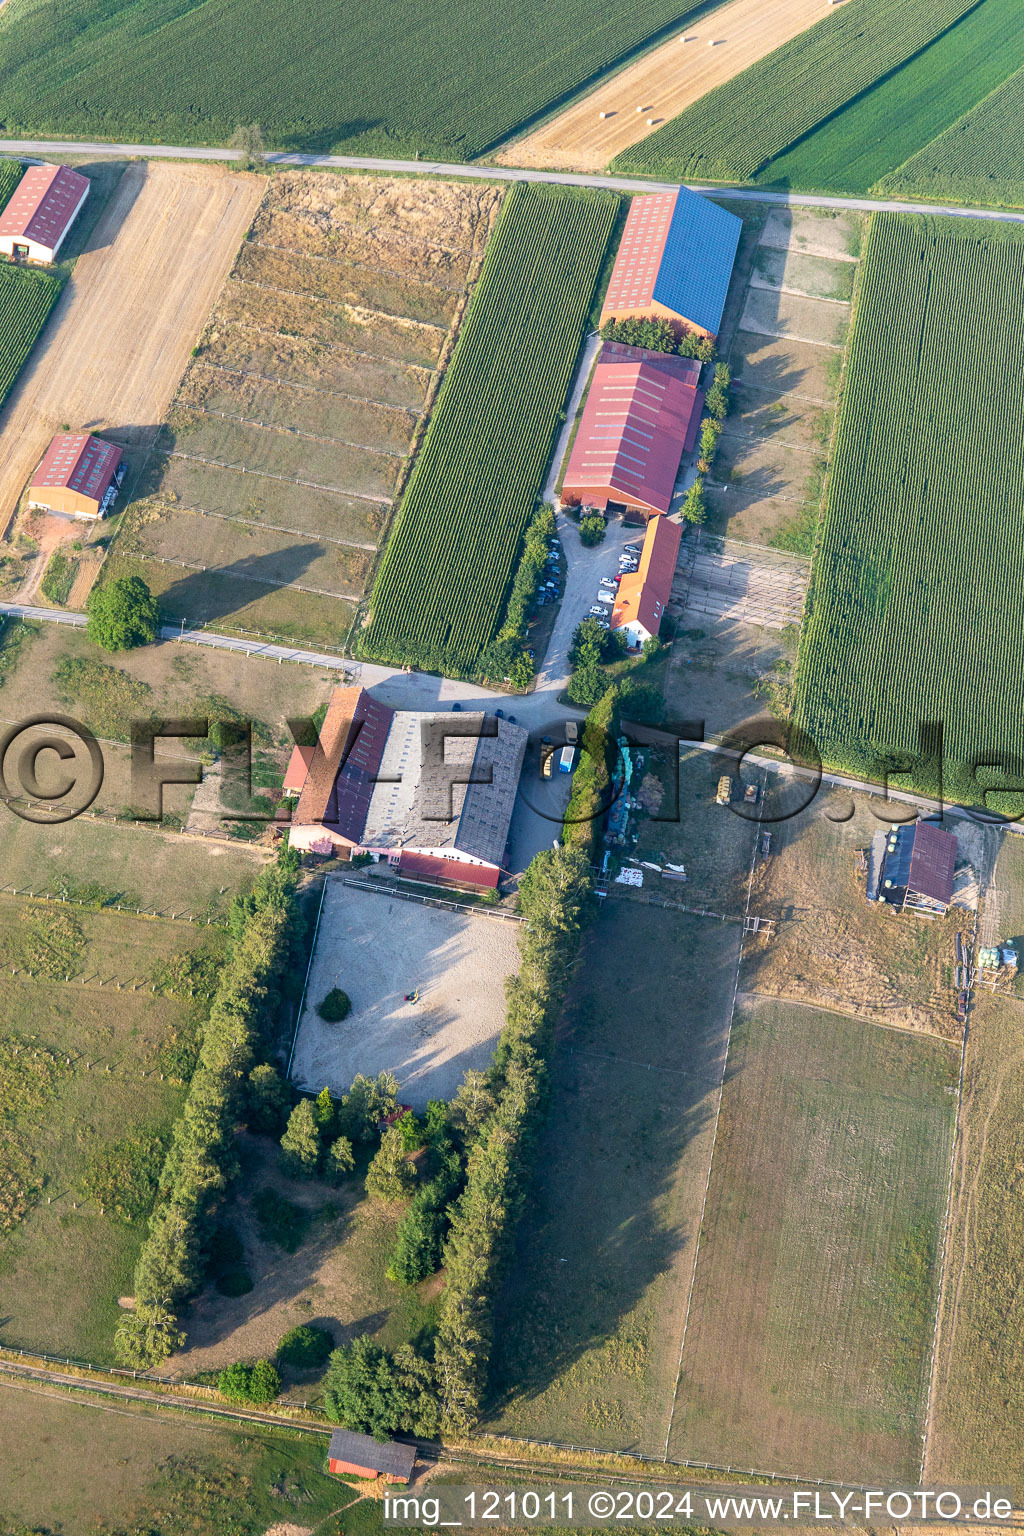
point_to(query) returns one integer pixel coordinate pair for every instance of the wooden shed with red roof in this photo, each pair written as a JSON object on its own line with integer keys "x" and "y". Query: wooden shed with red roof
{"x": 362, "y": 1456}
{"x": 40, "y": 211}
{"x": 78, "y": 476}
{"x": 642, "y": 414}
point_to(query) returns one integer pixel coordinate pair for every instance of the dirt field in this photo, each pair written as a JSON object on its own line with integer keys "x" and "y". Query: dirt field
{"x": 663, "y": 83}
{"x": 377, "y": 948}
{"x": 118, "y": 341}
{"x": 832, "y": 947}
{"x": 810, "y": 1330}
{"x": 303, "y": 401}
{"x": 712, "y": 670}
{"x": 590, "y": 1322}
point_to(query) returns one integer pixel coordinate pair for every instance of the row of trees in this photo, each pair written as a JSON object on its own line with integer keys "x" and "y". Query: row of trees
{"x": 659, "y": 336}
{"x": 201, "y": 1159}
{"x": 694, "y": 509}
{"x": 507, "y": 1104}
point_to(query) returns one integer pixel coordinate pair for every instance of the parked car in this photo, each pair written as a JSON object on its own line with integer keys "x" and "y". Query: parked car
{"x": 597, "y": 612}
{"x": 511, "y": 719}
{"x": 572, "y": 731}
{"x": 632, "y": 549}
{"x": 500, "y": 714}
{"x": 456, "y": 706}
{"x": 605, "y": 597}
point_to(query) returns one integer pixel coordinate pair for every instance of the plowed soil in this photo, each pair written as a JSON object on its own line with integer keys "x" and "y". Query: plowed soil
{"x": 662, "y": 84}
{"x": 118, "y": 341}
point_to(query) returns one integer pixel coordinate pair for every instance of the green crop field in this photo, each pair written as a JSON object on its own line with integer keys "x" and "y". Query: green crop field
{"x": 449, "y": 559}
{"x": 10, "y": 175}
{"x": 26, "y": 298}
{"x": 979, "y": 158}
{"x": 730, "y": 133}
{"x": 371, "y": 79}
{"x": 914, "y": 608}
{"x": 899, "y": 116}
{"x": 813, "y": 1308}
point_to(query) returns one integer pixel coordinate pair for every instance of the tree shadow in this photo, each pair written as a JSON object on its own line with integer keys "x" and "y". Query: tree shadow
{"x": 219, "y": 591}
{"x": 324, "y": 140}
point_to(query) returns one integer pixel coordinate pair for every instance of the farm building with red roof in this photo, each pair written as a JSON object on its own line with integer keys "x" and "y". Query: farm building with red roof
{"x": 40, "y": 211}
{"x": 643, "y": 595}
{"x": 78, "y": 476}
{"x": 674, "y": 262}
{"x": 642, "y": 414}
{"x": 430, "y": 794}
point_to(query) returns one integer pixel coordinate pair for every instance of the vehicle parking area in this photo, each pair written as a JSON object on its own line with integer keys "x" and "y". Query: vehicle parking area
{"x": 427, "y": 987}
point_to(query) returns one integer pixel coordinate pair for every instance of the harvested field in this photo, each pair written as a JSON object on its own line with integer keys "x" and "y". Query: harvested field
{"x": 265, "y": 450}
{"x": 810, "y": 1329}
{"x": 242, "y": 600}
{"x": 457, "y": 963}
{"x": 119, "y": 339}
{"x": 344, "y": 282}
{"x": 303, "y": 399}
{"x": 663, "y": 82}
{"x": 302, "y": 508}
{"x": 832, "y": 947}
{"x": 770, "y": 313}
{"x": 830, "y": 232}
{"x": 759, "y": 486}
{"x": 294, "y": 359}
{"x": 220, "y": 542}
{"x": 292, "y": 406}
{"x": 787, "y": 422}
{"x": 713, "y": 669}
{"x": 590, "y": 1321}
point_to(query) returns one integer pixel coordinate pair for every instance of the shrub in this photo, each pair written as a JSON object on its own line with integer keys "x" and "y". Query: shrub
{"x": 279, "y": 1220}
{"x": 339, "y": 1160}
{"x": 305, "y": 1347}
{"x": 269, "y": 1097}
{"x": 337, "y": 1005}
{"x": 258, "y": 1383}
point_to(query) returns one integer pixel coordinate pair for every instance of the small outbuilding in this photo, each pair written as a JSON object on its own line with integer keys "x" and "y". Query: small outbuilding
{"x": 362, "y": 1456}
{"x": 78, "y": 477}
{"x": 916, "y": 867}
{"x": 644, "y": 594}
{"x": 40, "y": 211}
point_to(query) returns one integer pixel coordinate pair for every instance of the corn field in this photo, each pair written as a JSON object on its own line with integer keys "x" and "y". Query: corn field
{"x": 26, "y": 298}
{"x": 914, "y": 614}
{"x": 444, "y": 576}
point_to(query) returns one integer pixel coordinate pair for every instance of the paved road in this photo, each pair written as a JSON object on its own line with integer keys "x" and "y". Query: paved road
{"x": 501, "y": 173}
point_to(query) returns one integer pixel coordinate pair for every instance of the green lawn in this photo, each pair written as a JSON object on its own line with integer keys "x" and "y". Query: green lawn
{"x": 899, "y": 116}
{"x": 86, "y": 1067}
{"x": 374, "y": 79}
{"x": 810, "y": 1329}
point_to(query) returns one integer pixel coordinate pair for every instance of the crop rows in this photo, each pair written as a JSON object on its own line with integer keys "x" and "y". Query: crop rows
{"x": 914, "y": 613}
{"x": 26, "y": 298}
{"x": 732, "y": 131}
{"x": 448, "y": 563}
{"x": 10, "y": 175}
{"x": 979, "y": 158}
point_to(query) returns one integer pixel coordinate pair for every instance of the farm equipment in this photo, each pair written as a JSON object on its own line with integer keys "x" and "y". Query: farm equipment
{"x": 724, "y": 794}
{"x": 751, "y": 794}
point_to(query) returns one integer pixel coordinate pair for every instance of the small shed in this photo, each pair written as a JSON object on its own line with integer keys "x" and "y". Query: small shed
{"x": 41, "y": 210}
{"x": 917, "y": 868}
{"x": 362, "y": 1456}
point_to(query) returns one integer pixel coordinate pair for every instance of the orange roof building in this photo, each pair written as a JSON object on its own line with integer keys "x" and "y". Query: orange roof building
{"x": 78, "y": 476}
{"x": 643, "y": 595}
{"x": 40, "y": 211}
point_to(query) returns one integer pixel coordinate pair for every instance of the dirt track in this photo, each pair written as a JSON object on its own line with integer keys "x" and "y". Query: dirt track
{"x": 663, "y": 83}
{"x": 117, "y": 343}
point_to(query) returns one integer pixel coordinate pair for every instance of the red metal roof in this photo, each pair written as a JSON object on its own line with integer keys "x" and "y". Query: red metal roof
{"x": 338, "y": 786}
{"x": 77, "y": 461}
{"x": 43, "y": 204}
{"x": 932, "y": 862}
{"x": 643, "y": 594}
{"x": 428, "y": 866}
{"x": 638, "y": 261}
{"x": 642, "y": 413}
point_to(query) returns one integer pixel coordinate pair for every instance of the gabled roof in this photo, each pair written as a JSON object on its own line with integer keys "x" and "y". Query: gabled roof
{"x": 43, "y": 204}
{"x": 644, "y": 593}
{"x": 642, "y": 413}
{"x": 363, "y": 1451}
{"x": 298, "y": 768}
{"x": 340, "y": 781}
{"x": 77, "y": 461}
{"x": 677, "y": 250}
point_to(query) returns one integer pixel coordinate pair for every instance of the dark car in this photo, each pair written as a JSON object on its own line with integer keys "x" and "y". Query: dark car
{"x": 456, "y": 706}
{"x": 500, "y": 714}
{"x": 511, "y": 719}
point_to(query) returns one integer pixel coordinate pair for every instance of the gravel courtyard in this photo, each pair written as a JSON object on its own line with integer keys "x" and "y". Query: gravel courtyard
{"x": 378, "y": 948}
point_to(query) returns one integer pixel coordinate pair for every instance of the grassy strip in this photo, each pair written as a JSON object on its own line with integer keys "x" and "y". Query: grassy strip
{"x": 734, "y": 130}
{"x": 553, "y": 897}
{"x": 59, "y": 578}
{"x": 198, "y": 1165}
{"x": 448, "y": 564}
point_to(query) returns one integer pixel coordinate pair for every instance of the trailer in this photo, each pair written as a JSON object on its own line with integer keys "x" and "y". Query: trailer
{"x": 566, "y": 758}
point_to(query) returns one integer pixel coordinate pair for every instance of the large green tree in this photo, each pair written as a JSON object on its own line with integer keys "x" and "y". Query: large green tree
{"x": 369, "y": 1390}
{"x": 300, "y": 1144}
{"x": 122, "y": 614}
{"x": 390, "y": 1175}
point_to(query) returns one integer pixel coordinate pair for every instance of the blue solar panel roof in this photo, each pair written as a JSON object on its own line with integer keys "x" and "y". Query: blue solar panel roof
{"x": 700, "y": 249}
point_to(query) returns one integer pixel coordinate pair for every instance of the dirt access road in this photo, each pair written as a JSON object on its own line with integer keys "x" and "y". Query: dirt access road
{"x": 662, "y": 84}
{"x": 117, "y": 343}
